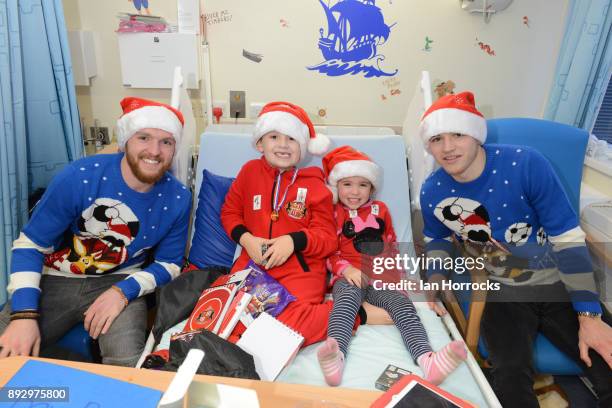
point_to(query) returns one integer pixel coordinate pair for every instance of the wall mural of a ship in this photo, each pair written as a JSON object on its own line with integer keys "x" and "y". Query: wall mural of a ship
{"x": 355, "y": 31}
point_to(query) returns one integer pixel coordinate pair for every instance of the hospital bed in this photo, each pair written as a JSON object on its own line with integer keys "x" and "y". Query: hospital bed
{"x": 225, "y": 148}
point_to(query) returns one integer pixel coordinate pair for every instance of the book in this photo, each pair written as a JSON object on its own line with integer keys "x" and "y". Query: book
{"x": 390, "y": 376}
{"x": 411, "y": 391}
{"x": 214, "y": 302}
{"x": 210, "y": 308}
{"x": 232, "y": 316}
{"x": 237, "y": 277}
{"x": 140, "y": 17}
{"x": 82, "y": 388}
{"x": 272, "y": 345}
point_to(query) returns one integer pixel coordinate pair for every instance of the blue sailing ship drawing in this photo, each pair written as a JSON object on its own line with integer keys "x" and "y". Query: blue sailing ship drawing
{"x": 355, "y": 30}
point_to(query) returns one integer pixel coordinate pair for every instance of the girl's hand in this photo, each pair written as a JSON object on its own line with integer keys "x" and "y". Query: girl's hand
{"x": 355, "y": 277}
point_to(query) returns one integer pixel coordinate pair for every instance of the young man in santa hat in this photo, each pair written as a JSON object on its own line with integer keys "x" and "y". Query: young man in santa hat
{"x": 282, "y": 214}
{"x": 84, "y": 255}
{"x": 500, "y": 201}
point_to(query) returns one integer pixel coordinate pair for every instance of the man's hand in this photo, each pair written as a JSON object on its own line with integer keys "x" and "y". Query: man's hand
{"x": 432, "y": 295}
{"x": 252, "y": 245}
{"x": 596, "y": 334}
{"x": 21, "y": 338}
{"x": 102, "y": 312}
{"x": 355, "y": 277}
{"x": 279, "y": 250}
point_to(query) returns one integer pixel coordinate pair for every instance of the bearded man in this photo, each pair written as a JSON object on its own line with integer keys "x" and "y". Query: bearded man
{"x": 108, "y": 230}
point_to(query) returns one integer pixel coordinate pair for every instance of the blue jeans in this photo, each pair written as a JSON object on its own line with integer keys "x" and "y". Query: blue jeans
{"x": 62, "y": 304}
{"x": 509, "y": 330}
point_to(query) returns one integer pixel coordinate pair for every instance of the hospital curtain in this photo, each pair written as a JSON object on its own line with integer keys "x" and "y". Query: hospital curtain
{"x": 40, "y": 129}
{"x": 584, "y": 64}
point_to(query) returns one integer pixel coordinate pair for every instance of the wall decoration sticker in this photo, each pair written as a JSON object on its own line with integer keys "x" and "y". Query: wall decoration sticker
{"x": 355, "y": 31}
{"x": 526, "y": 21}
{"x": 284, "y": 23}
{"x": 445, "y": 88}
{"x": 252, "y": 56}
{"x": 486, "y": 48}
{"x": 428, "y": 41}
{"x": 391, "y": 82}
{"x": 141, "y": 5}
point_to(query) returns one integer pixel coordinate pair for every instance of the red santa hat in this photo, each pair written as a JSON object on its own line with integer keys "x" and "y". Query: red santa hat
{"x": 344, "y": 162}
{"x": 141, "y": 113}
{"x": 293, "y": 121}
{"x": 454, "y": 113}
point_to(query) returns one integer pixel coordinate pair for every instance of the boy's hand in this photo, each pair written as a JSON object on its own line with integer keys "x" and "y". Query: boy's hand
{"x": 355, "y": 277}
{"x": 252, "y": 245}
{"x": 279, "y": 250}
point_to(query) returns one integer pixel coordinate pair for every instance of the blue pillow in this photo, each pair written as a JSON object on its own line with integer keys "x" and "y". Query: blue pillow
{"x": 210, "y": 245}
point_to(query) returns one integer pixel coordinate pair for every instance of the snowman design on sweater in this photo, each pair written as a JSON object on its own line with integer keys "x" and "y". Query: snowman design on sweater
{"x": 470, "y": 221}
{"x": 106, "y": 229}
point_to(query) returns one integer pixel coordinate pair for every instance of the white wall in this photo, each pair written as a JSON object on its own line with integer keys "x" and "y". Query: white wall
{"x": 101, "y": 100}
{"x": 515, "y": 82}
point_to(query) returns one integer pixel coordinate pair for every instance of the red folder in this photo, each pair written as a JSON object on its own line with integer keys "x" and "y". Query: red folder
{"x": 413, "y": 391}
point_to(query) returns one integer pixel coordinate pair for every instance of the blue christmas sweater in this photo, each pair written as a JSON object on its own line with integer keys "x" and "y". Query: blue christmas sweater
{"x": 517, "y": 213}
{"x": 90, "y": 223}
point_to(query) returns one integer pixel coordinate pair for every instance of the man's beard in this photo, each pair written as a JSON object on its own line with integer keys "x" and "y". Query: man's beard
{"x": 144, "y": 177}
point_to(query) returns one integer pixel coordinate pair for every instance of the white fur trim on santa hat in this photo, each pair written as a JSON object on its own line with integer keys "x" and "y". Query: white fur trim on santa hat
{"x": 290, "y": 125}
{"x": 353, "y": 168}
{"x": 285, "y": 123}
{"x": 147, "y": 117}
{"x": 451, "y": 120}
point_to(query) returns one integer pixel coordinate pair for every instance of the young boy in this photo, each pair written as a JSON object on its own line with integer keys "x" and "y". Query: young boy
{"x": 282, "y": 215}
{"x": 500, "y": 199}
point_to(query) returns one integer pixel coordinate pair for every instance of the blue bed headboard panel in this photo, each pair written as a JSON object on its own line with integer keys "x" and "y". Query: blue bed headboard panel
{"x": 225, "y": 153}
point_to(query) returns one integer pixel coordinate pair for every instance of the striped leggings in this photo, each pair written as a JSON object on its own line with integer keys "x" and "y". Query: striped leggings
{"x": 348, "y": 299}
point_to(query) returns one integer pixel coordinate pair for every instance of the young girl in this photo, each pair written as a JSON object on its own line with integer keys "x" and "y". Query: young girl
{"x": 364, "y": 229}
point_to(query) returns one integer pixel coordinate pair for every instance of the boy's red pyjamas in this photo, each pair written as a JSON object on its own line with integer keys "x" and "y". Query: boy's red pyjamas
{"x": 307, "y": 215}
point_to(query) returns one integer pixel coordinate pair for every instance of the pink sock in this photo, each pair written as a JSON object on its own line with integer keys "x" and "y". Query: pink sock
{"x": 331, "y": 361}
{"x": 437, "y": 366}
